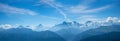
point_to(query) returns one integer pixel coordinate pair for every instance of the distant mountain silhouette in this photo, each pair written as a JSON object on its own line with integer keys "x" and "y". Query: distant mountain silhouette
{"x": 97, "y": 31}
{"x": 112, "y": 36}
{"x": 25, "y": 34}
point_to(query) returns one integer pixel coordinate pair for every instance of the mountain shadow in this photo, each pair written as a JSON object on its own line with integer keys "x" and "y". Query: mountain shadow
{"x": 97, "y": 31}
{"x": 112, "y": 36}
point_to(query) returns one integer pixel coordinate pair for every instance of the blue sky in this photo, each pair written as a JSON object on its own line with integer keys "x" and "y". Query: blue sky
{"x": 51, "y": 12}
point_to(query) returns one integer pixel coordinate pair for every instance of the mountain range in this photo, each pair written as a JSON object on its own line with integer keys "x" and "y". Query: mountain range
{"x": 65, "y": 31}
{"x": 25, "y": 34}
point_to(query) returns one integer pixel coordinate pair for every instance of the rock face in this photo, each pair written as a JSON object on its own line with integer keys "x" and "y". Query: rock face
{"x": 24, "y": 34}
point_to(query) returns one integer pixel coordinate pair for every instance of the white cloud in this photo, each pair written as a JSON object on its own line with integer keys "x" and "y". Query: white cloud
{"x": 112, "y": 19}
{"x": 97, "y": 9}
{"x": 84, "y": 9}
{"x": 77, "y": 9}
{"x": 100, "y": 21}
{"x": 55, "y": 5}
{"x": 38, "y": 28}
{"x": 119, "y": 21}
{"x": 54, "y": 18}
{"x": 85, "y": 18}
{"x": 104, "y": 22}
{"x": 8, "y": 26}
{"x": 5, "y": 26}
{"x": 13, "y": 10}
{"x": 87, "y": 2}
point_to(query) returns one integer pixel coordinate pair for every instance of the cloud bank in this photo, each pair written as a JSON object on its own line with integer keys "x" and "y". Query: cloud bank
{"x": 88, "y": 25}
